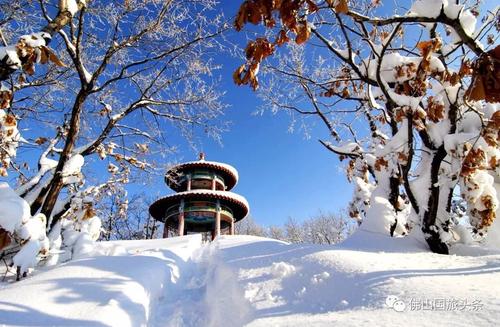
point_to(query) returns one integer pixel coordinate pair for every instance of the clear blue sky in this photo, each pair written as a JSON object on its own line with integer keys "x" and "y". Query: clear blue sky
{"x": 282, "y": 174}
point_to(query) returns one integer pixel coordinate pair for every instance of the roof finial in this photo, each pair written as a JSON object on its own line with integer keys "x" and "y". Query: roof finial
{"x": 201, "y": 156}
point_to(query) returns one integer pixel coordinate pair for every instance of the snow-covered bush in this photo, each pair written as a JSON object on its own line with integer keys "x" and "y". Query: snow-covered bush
{"x": 73, "y": 239}
{"x": 22, "y": 230}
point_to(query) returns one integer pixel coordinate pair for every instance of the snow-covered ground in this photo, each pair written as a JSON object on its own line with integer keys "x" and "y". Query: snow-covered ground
{"x": 369, "y": 280}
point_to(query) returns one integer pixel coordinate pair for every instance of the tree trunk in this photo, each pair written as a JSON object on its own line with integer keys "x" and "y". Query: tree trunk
{"x": 431, "y": 231}
{"x": 429, "y": 227}
{"x": 56, "y": 184}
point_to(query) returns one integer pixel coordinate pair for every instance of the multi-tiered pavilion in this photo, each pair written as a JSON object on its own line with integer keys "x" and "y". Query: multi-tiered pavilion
{"x": 203, "y": 202}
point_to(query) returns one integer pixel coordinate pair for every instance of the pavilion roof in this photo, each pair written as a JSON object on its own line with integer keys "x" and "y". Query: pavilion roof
{"x": 228, "y": 172}
{"x": 237, "y": 203}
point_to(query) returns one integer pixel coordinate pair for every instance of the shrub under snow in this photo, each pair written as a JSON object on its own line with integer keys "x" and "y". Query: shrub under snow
{"x": 26, "y": 230}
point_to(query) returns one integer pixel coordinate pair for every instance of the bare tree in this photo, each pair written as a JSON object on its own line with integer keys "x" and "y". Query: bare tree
{"x": 323, "y": 228}
{"x": 294, "y": 231}
{"x": 276, "y": 232}
{"x": 248, "y": 226}
{"x": 130, "y": 84}
{"x": 124, "y": 217}
{"x": 327, "y": 228}
{"x": 409, "y": 101}
{"x": 122, "y": 81}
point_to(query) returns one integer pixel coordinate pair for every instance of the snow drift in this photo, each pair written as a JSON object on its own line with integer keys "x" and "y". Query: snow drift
{"x": 245, "y": 280}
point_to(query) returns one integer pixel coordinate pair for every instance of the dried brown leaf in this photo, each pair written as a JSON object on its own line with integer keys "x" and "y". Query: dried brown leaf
{"x": 303, "y": 34}
{"x": 5, "y": 238}
{"x": 41, "y": 140}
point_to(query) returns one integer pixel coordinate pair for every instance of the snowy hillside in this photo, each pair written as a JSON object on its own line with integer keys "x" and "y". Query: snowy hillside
{"x": 244, "y": 280}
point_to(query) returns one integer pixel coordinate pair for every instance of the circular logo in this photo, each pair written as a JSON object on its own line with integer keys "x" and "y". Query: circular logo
{"x": 392, "y": 301}
{"x": 399, "y": 306}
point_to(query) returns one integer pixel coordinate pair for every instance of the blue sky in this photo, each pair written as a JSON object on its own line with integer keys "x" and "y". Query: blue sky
{"x": 282, "y": 174}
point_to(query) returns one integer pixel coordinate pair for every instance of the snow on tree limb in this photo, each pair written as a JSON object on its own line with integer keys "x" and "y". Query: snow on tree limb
{"x": 29, "y": 50}
{"x": 33, "y": 48}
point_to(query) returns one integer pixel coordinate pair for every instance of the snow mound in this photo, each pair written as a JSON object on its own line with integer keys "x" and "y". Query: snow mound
{"x": 282, "y": 269}
{"x": 117, "y": 290}
{"x": 253, "y": 281}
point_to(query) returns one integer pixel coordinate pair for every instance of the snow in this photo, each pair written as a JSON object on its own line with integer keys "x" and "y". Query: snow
{"x": 438, "y": 131}
{"x": 493, "y": 236}
{"x": 38, "y": 187}
{"x": 433, "y": 8}
{"x": 15, "y": 217}
{"x": 13, "y": 209}
{"x": 9, "y": 137}
{"x": 98, "y": 291}
{"x": 427, "y": 8}
{"x": 72, "y": 168}
{"x": 355, "y": 282}
{"x": 27, "y": 257}
{"x": 380, "y": 215}
{"x": 45, "y": 164}
{"x": 33, "y": 231}
{"x": 222, "y": 165}
{"x": 82, "y": 245}
{"x": 452, "y": 10}
{"x": 75, "y": 234}
{"x": 489, "y": 109}
{"x": 74, "y": 165}
{"x": 72, "y": 6}
{"x": 86, "y": 74}
{"x": 393, "y": 60}
{"x": 35, "y": 40}
{"x": 398, "y": 142}
{"x": 468, "y": 22}
{"x": 371, "y": 98}
{"x": 344, "y": 53}
{"x": 347, "y": 148}
{"x": 282, "y": 269}
{"x": 11, "y": 53}
{"x": 253, "y": 281}
{"x": 34, "y": 228}
{"x": 92, "y": 226}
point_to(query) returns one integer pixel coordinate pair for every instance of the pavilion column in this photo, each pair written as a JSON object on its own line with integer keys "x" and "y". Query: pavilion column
{"x": 213, "y": 184}
{"x": 217, "y": 219}
{"x": 181, "y": 218}
{"x": 189, "y": 183}
{"x": 165, "y": 230}
{"x": 232, "y": 227}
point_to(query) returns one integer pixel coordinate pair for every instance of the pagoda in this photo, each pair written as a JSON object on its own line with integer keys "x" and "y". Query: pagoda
{"x": 203, "y": 202}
